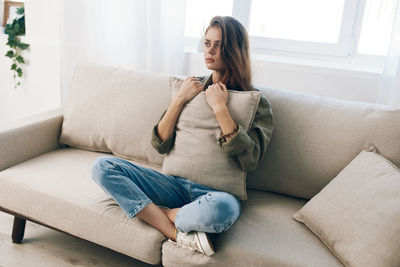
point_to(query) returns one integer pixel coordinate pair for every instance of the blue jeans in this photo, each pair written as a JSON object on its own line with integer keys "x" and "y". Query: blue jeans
{"x": 134, "y": 187}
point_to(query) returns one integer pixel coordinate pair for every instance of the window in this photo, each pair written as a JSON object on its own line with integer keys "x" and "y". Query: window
{"x": 340, "y": 28}
{"x": 376, "y": 27}
{"x": 310, "y": 20}
{"x": 308, "y": 26}
{"x": 198, "y": 16}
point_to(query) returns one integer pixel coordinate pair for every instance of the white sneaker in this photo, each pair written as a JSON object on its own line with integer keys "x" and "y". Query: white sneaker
{"x": 195, "y": 241}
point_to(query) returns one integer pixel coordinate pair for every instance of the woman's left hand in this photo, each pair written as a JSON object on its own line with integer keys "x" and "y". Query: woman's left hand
{"x": 217, "y": 95}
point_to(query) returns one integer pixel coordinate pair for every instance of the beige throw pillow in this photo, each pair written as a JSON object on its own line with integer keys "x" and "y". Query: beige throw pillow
{"x": 357, "y": 215}
{"x": 196, "y": 154}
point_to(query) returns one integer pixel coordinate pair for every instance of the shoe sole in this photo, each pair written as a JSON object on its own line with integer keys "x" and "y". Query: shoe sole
{"x": 206, "y": 244}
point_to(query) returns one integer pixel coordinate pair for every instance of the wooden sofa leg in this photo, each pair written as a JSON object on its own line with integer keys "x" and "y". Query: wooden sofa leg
{"x": 18, "y": 229}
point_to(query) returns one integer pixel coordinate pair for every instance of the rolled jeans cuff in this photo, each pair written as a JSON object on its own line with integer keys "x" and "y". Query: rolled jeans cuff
{"x": 138, "y": 208}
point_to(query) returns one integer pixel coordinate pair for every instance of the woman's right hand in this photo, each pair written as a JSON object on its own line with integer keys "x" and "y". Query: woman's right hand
{"x": 190, "y": 88}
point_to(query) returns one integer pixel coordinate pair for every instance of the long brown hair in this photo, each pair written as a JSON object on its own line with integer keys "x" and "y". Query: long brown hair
{"x": 234, "y": 52}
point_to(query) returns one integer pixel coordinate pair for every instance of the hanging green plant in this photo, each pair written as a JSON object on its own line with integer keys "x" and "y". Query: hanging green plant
{"x": 14, "y": 30}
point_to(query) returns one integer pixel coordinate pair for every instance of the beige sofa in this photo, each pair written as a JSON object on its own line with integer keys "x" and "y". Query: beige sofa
{"x": 48, "y": 182}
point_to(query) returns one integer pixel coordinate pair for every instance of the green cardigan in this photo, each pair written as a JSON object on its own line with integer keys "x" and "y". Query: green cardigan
{"x": 246, "y": 149}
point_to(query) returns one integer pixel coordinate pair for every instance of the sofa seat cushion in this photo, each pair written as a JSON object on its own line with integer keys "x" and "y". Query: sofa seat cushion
{"x": 60, "y": 192}
{"x": 264, "y": 235}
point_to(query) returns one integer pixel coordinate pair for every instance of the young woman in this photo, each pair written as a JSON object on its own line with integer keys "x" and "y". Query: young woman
{"x": 194, "y": 209}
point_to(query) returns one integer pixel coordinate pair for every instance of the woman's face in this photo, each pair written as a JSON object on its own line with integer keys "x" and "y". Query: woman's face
{"x": 212, "y": 49}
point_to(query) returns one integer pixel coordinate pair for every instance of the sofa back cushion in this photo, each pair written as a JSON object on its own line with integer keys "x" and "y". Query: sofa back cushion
{"x": 112, "y": 109}
{"x": 315, "y": 137}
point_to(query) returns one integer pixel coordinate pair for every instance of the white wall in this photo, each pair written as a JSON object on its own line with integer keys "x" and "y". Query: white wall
{"x": 40, "y": 86}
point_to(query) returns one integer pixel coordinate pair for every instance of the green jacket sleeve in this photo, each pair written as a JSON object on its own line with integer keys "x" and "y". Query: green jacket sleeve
{"x": 159, "y": 145}
{"x": 247, "y": 149}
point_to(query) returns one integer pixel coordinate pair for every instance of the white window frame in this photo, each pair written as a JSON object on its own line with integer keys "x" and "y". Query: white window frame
{"x": 345, "y": 46}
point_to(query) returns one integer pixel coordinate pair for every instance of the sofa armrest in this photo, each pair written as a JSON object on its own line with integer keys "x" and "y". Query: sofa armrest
{"x": 30, "y": 137}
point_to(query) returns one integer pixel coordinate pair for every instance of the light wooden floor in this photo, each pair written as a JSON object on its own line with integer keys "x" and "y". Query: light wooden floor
{"x": 42, "y": 246}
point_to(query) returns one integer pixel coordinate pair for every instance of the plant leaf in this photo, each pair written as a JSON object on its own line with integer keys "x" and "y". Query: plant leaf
{"x": 21, "y": 23}
{"x": 20, "y": 11}
{"x": 19, "y": 70}
{"x": 14, "y": 66}
{"x": 12, "y": 40}
{"x": 9, "y": 30}
{"x": 23, "y": 46}
{"x": 16, "y": 28}
{"x": 10, "y": 54}
{"x": 20, "y": 59}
